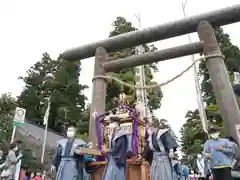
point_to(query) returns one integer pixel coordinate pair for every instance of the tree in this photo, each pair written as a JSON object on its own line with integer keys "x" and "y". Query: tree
{"x": 121, "y": 26}
{"x": 192, "y": 133}
{"x": 38, "y": 83}
{"x": 7, "y": 110}
{"x": 83, "y": 125}
{"x": 68, "y": 102}
{"x": 57, "y": 79}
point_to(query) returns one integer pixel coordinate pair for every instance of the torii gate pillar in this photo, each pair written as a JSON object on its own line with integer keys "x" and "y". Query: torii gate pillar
{"x": 98, "y": 92}
{"x": 222, "y": 87}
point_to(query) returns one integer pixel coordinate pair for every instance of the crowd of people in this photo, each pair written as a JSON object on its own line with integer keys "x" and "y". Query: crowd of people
{"x": 9, "y": 163}
{"x": 27, "y": 175}
{"x": 218, "y": 159}
{"x": 215, "y": 162}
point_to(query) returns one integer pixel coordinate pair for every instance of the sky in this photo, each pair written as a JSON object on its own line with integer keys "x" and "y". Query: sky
{"x": 30, "y": 27}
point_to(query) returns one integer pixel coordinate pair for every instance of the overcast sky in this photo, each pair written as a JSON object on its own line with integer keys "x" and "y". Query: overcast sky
{"x": 30, "y": 27}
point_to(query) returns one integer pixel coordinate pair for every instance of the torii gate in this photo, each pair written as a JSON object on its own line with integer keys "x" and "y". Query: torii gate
{"x": 208, "y": 45}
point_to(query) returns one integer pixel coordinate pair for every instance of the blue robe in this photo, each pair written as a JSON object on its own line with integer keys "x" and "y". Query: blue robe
{"x": 176, "y": 170}
{"x": 69, "y": 165}
{"x": 116, "y": 163}
{"x": 157, "y": 154}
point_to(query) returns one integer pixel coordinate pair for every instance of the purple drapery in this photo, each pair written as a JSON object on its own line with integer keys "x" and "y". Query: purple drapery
{"x": 99, "y": 136}
{"x": 134, "y": 128}
{"x": 135, "y": 133}
{"x": 98, "y": 132}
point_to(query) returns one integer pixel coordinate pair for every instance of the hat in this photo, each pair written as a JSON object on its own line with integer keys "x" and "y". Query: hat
{"x": 213, "y": 129}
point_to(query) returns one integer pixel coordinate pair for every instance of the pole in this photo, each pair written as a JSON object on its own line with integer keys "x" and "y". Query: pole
{"x": 44, "y": 143}
{"x": 222, "y": 86}
{"x": 141, "y": 81}
{"x": 13, "y": 134}
{"x": 18, "y": 165}
{"x": 200, "y": 102}
{"x": 46, "y": 128}
{"x": 140, "y": 77}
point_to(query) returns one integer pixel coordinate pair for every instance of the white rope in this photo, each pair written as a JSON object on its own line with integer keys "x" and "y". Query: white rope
{"x": 109, "y": 77}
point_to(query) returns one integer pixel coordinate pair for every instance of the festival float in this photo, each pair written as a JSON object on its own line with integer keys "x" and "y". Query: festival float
{"x": 134, "y": 127}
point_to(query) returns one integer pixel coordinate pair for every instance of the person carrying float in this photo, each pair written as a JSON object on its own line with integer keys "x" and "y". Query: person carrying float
{"x": 159, "y": 149}
{"x": 116, "y": 152}
{"x": 66, "y": 162}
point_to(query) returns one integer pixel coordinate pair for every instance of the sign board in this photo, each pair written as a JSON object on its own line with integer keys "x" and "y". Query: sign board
{"x": 19, "y": 117}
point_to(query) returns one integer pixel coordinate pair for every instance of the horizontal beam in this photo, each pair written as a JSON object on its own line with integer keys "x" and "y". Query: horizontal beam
{"x": 151, "y": 57}
{"x": 172, "y": 29}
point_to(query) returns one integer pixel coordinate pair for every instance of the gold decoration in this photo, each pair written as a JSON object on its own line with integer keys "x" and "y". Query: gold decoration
{"x": 122, "y": 99}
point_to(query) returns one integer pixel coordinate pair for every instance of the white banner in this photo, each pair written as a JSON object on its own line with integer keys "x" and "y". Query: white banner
{"x": 18, "y": 169}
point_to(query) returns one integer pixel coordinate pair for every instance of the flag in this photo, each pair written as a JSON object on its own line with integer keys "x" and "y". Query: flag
{"x": 45, "y": 119}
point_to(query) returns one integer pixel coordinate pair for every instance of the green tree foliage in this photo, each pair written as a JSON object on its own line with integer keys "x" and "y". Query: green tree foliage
{"x": 83, "y": 125}
{"x": 121, "y": 26}
{"x": 68, "y": 102}
{"x": 57, "y": 79}
{"x": 38, "y": 82}
{"x": 7, "y": 110}
{"x": 192, "y": 133}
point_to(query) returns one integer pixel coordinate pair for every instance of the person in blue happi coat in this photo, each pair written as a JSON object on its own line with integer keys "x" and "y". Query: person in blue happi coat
{"x": 159, "y": 149}
{"x": 116, "y": 152}
{"x": 66, "y": 162}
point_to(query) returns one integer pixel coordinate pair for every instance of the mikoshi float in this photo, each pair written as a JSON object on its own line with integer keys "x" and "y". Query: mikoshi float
{"x": 135, "y": 130}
